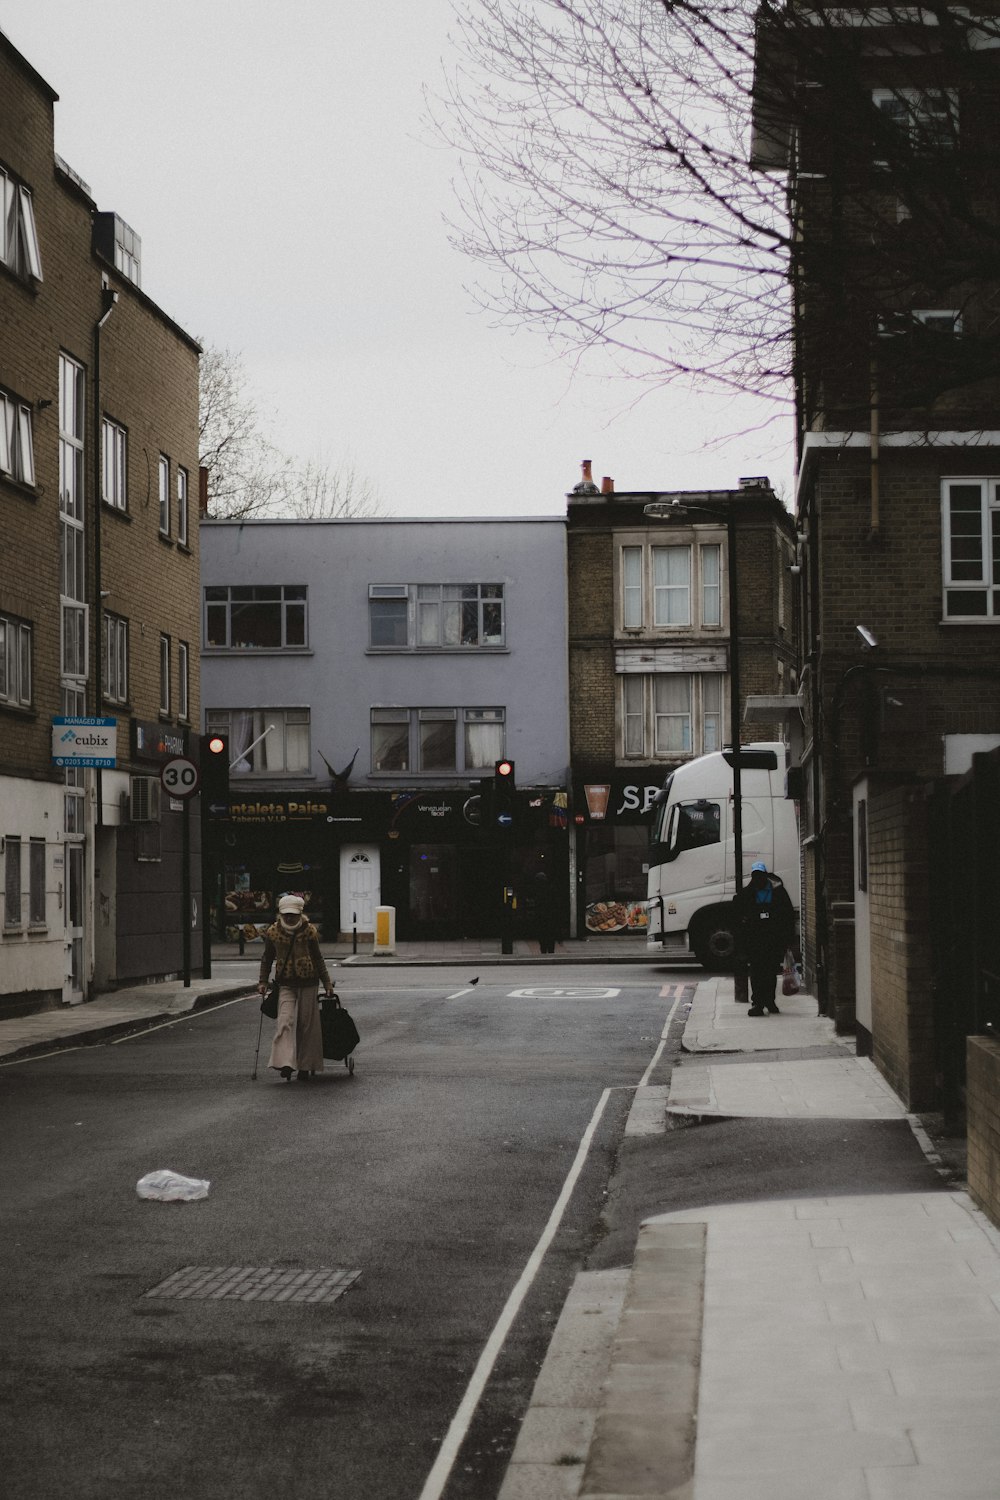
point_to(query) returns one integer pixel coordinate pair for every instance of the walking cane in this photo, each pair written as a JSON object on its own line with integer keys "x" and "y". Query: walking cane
{"x": 260, "y": 1028}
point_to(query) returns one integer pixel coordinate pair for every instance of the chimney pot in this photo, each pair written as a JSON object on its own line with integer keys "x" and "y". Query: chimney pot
{"x": 607, "y": 485}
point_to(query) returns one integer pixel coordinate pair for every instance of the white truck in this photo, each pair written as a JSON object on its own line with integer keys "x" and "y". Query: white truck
{"x": 691, "y": 869}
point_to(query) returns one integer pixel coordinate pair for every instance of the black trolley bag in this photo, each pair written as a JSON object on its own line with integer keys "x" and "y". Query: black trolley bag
{"x": 340, "y": 1035}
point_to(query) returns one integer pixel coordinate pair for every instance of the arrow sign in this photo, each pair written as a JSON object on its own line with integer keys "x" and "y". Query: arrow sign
{"x": 504, "y": 819}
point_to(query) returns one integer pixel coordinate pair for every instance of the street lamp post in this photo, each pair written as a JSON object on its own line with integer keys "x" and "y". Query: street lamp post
{"x": 660, "y": 511}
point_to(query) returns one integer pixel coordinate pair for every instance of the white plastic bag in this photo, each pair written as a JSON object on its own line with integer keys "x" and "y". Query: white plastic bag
{"x": 170, "y": 1187}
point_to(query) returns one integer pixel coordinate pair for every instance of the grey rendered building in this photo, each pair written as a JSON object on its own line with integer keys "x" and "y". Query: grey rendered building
{"x": 369, "y": 674}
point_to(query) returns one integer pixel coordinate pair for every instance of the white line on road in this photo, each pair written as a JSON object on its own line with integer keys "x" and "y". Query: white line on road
{"x": 455, "y": 1436}
{"x": 663, "y": 1042}
{"x": 459, "y": 993}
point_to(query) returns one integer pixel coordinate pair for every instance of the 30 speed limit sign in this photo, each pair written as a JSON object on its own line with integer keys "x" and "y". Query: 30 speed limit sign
{"x": 179, "y": 777}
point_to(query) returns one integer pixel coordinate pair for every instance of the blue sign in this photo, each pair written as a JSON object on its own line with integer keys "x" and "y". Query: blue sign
{"x": 84, "y": 742}
{"x": 504, "y": 819}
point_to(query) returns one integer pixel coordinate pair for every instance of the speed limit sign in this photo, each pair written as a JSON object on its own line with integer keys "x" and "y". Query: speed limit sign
{"x": 179, "y": 777}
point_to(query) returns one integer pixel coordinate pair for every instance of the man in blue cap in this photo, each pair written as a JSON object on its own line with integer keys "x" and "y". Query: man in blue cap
{"x": 766, "y": 924}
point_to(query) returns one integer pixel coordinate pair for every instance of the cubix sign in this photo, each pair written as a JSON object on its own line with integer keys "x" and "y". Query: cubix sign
{"x": 79, "y": 742}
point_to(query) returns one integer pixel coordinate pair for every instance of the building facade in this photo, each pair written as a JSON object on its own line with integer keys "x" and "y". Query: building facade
{"x": 649, "y": 660}
{"x": 369, "y": 675}
{"x": 99, "y": 593}
{"x": 882, "y": 122}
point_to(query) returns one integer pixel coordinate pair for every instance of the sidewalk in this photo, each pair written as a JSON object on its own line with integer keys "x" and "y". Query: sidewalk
{"x": 865, "y": 1365}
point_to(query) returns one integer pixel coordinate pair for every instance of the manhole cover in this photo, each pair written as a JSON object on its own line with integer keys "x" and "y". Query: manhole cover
{"x": 254, "y": 1284}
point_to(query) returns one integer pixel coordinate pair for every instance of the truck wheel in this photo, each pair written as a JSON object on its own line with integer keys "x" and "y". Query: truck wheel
{"x": 714, "y": 944}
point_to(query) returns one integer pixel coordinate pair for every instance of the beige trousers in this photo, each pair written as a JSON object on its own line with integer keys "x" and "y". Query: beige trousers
{"x": 298, "y": 1037}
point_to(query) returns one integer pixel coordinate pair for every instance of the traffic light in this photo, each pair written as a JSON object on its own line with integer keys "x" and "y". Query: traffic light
{"x": 215, "y": 767}
{"x": 504, "y": 788}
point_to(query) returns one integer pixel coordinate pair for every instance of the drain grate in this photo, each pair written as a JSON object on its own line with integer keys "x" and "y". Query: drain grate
{"x": 254, "y": 1284}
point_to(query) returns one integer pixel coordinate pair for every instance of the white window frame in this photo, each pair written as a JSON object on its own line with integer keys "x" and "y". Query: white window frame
{"x": 114, "y": 464}
{"x": 913, "y": 120}
{"x": 183, "y": 680}
{"x": 182, "y": 507}
{"x": 17, "y": 454}
{"x": 164, "y": 674}
{"x": 19, "y": 248}
{"x": 116, "y": 659}
{"x": 632, "y": 589}
{"x": 667, "y": 594}
{"x": 711, "y": 592}
{"x": 163, "y": 471}
{"x": 15, "y": 661}
{"x": 987, "y": 565}
{"x": 74, "y": 640}
{"x": 642, "y": 734}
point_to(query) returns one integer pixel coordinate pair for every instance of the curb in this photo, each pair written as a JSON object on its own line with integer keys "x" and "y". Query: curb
{"x": 97, "y": 1034}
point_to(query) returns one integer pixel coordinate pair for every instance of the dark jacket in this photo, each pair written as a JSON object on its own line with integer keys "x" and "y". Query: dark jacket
{"x": 766, "y": 928}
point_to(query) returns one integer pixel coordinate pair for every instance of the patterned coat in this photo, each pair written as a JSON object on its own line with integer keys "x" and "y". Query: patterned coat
{"x": 295, "y": 955}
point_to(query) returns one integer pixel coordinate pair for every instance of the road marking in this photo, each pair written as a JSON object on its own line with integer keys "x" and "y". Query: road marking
{"x": 643, "y": 1081}
{"x": 555, "y": 992}
{"x": 459, "y": 993}
{"x": 460, "y": 1422}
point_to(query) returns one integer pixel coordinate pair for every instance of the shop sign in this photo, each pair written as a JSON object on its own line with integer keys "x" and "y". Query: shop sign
{"x": 277, "y": 810}
{"x": 621, "y": 796}
{"x": 156, "y": 742}
{"x": 80, "y": 743}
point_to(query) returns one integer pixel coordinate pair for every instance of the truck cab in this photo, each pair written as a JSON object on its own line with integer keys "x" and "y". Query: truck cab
{"x": 691, "y": 881}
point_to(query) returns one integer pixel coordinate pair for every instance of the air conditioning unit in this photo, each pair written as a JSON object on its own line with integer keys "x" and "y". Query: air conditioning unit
{"x": 144, "y": 799}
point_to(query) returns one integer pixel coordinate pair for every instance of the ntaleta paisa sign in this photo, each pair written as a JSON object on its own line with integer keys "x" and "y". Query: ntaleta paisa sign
{"x": 78, "y": 742}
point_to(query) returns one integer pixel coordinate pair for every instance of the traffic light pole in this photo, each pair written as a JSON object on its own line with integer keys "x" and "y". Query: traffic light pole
{"x": 206, "y": 883}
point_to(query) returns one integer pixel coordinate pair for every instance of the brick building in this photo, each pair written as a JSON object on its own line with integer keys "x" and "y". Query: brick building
{"x": 99, "y": 586}
{"x": 649, "y": 642}
{"x": 883, "y": 123}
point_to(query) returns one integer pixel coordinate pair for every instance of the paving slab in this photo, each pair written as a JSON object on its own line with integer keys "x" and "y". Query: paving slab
{"x": 840, "y": 1087}
{"x": 716, "y": 1023}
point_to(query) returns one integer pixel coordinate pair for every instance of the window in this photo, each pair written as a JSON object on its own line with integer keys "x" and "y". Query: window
{"x": 15, "y": 661}
{"x": 164, "y": 473}
{"x": 671, "y": 585}
{"x": 670, "y": 715}
{"x": 441, "y": 740}
{"x": 164, "y": 674}
{"x": 264, "y": 741}
{"x": 75, "y": 656}
{"x": 436, "y": 616}
{"x": 17, "y": 457}
{"x": 183, "y": 680}
{"x": 693, "y": 825}
{"x": 18, "y": 235}
{"x": 632, "y": 587}
{"x": 933, "y": 320}
{"x": 12, "y": 882}
{"x": 36, "y": 883}
{"x": 116, "y": 659}
{"x": 114, "y": 468}
{"x": 916, "y": 119}
{"x": 182, "y": 507}
{"x": 711, "y": 585}
{"x": 256, "y": 617}
{"x": 971, "y": 524}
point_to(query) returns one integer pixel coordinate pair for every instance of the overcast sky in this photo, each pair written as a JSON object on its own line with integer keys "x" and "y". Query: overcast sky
{"x": 274, "y": 161}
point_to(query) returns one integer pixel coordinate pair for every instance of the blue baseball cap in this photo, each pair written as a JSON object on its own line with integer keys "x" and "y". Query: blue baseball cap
{"x": 758, "y": 864}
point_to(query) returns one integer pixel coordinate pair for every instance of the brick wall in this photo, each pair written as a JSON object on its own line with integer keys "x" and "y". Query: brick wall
{"x": 903, "y": 1045}
{"x": 983, "y": 1123}
{"x": 591, "y": 652}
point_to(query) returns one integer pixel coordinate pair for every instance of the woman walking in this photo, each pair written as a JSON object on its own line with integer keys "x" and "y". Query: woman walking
{"x": 291, "y": 944}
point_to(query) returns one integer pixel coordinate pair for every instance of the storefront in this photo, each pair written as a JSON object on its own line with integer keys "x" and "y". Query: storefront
{"x": 612, "y": 818}
{"x": 425, "y": 852}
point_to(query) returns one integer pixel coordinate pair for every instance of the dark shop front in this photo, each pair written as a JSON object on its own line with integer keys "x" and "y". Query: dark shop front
{"x": 613, "y": 814}
{"x": 429, "y": 853}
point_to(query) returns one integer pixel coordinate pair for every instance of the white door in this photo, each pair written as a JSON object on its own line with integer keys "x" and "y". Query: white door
{"x": 359, "y": 887}
{"x": 73, "y": 908}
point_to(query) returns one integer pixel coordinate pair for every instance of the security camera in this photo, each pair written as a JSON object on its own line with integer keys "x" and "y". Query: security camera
{"x": 867, "y": 639}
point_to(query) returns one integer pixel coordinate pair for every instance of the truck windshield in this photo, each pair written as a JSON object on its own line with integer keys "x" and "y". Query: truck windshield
{"x": 693, "y": 825}
{"x": 661, "y": 810}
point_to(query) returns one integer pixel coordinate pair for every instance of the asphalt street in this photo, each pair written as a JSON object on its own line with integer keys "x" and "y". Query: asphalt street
{"x": 437, "y": 1172}
{"x": 433, "y": 1171}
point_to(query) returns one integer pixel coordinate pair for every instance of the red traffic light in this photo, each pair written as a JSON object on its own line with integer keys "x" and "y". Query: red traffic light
{"x": 505, "y": 768}
{"x": 216, "y": 744}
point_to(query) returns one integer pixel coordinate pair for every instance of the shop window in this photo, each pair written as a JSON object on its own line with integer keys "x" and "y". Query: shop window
{"x": 615, "y": 878}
